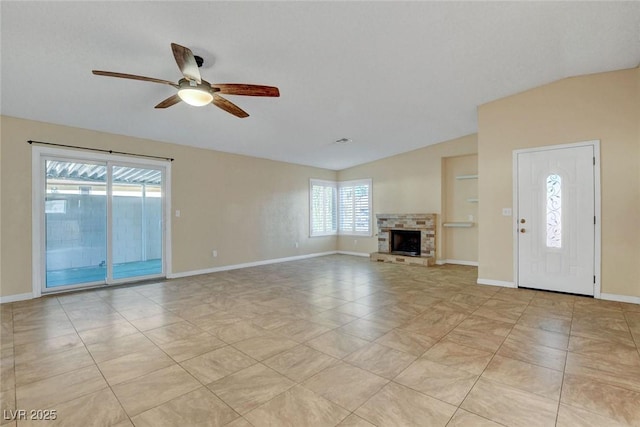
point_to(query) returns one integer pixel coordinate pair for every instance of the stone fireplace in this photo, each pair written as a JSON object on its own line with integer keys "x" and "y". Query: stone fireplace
{"x": 406, "y": 238}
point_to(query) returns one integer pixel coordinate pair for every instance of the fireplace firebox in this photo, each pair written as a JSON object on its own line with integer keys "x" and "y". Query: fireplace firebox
{"x": 405, "y": 242}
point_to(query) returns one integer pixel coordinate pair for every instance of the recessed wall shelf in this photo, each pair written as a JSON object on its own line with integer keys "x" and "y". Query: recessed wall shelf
{"x": 458, "y": 224}
{"x": 467, "y": 176}
{"x": 472, "y": 200}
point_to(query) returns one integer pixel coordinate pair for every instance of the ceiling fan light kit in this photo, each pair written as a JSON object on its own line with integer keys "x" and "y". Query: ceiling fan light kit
{"x": 195, "y": 91}
{"x": 195, "y": 94}
{"x": 195, "y": 97}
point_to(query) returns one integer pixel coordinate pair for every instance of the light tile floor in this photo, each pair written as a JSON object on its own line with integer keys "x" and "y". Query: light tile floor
{"x": 329, "y": 341}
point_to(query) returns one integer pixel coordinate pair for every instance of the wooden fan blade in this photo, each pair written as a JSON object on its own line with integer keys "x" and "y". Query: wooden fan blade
{"x": 186, "y": 62}
{"x": 247, "y": 90}
{"x": 229, "y": 106}
{"x": 172, "y": 100}
{"x": 133, "y": 77}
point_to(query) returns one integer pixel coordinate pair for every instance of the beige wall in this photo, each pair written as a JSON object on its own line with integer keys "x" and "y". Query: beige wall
{"x": 253, "y": 209}
{"x": 460, "y": 244}
{"x": 407, "y": 183}
{"x": 0, "y": 209}
{"x": 603, "y": 106}
{"x": 248, "y": 209}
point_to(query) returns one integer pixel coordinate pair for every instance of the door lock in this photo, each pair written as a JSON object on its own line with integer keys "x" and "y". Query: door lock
{"x": 522, "y": 230}
{"x": 522, "y": 221}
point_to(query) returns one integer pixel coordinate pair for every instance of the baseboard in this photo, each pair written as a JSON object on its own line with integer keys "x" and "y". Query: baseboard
{"x": 247, "y": 264}
{"x": 495, "y": 283}
{"x": 22, "y": 297}
{"x": 362, "y": 254}
{"x": 620, "y": 298}
{"x": 441, "y": 261}
{"x": 458, "y": 262}
{"x": 17, "y": 297}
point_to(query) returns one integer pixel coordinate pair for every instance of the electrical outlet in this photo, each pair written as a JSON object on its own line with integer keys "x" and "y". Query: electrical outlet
{"x": 214, "y": 253}
{"x": 355, "y": 242}
{"x": 296, "y": 245}
{"x": 506, "y": 211}
{"x": 177, "y": 213}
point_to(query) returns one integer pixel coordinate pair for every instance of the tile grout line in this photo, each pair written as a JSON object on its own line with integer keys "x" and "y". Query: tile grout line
{"x": 98, "y": 367}
{"x": 423, "y": 353}
{"x": 564, "y": 372}
{"x": 492, "y": 357}
{"x": 176, "y": 364}
{"x": 109, "y": 385}
{"x": 566, "y": 361}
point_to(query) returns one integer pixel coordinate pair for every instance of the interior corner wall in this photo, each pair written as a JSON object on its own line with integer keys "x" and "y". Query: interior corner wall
{"x": 248, "y": 209}
{"x": 0, "y": 208}
{"x": 605, "y": 107}
{"x": 406, "y": 183}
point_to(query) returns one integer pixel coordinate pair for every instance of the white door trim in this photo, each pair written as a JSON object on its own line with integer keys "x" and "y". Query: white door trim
{"x": 38, "y": 154}
{"x": 597, "y": 209}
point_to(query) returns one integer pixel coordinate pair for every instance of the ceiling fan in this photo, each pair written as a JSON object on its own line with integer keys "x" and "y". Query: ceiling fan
{"x": 195, "y": 91}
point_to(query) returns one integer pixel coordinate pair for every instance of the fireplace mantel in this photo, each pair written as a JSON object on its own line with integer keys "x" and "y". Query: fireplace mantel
{"x": 423, "y": 222}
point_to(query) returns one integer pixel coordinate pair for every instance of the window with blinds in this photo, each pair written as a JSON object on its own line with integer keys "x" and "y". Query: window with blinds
{"x": 354, "y": 207}
{"x": 323, "y": 207}
{"x": 340, "y": 207}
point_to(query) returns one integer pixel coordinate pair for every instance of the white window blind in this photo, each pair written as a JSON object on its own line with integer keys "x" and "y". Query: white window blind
{"x": 323, "y": 207}
{"x": 354, "y": 207}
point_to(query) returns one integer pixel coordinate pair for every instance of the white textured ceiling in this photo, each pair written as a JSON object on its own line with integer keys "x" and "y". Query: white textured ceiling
{"x": 392, "y": 76}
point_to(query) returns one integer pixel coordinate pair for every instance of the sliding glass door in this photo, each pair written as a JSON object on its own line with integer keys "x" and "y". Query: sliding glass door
{"x": 103, "y": 222}
{"x": 136, "y": 207}
{"x": 75, "y": 211}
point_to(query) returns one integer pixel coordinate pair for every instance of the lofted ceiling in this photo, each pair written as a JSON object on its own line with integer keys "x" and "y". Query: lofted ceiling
{"x": 390, "y": 76}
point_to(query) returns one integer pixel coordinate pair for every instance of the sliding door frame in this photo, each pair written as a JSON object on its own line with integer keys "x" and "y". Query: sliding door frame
{"x": 38, "y": 157}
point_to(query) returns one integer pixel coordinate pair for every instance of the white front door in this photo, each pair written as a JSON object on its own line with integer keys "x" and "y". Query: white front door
{"x": 556, "y": 217}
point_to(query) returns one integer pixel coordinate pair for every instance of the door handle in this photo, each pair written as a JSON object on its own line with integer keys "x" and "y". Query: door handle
{"x": 522, "y": 230}
{"x": 522, "y": 221}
